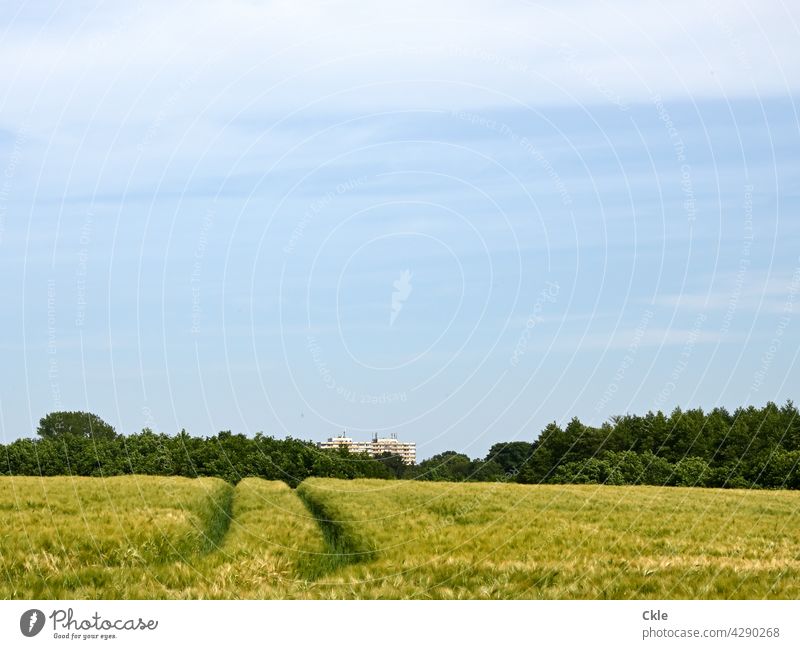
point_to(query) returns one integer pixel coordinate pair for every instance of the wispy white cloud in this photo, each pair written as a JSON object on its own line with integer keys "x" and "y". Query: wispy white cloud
{"x": 278, "y": 56}
{"x": 751, "y": 291}
{"x": 624, "y": 337}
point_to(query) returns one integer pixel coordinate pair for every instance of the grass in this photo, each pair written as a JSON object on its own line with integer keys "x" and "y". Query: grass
{"x": 148, "y": 537}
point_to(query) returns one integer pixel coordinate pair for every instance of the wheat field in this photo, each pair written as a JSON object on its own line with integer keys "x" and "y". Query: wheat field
{"x": 140, "y": 537}
{"x": 446, "y": 540}
{"x": 73, "y": 536}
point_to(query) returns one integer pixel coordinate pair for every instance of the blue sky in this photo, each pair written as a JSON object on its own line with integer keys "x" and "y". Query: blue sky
{"x": 206, "y": 215}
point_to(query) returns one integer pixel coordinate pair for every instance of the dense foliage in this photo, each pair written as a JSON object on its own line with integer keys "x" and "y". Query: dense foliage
{"x": 225, "y": 455}
{"x": 74, "y": 424}
{"x": 749, "y": 448}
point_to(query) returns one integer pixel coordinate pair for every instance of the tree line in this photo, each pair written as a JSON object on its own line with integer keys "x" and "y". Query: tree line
{"x": 748, "y": 448}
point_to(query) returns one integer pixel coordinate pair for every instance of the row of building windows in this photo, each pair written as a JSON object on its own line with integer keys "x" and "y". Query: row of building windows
{"x": 407, "y": 451}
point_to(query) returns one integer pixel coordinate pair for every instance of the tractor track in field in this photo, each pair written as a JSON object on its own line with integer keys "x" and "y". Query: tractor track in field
{"x": 218, "y": 522}
{"x": 345, "y": 546}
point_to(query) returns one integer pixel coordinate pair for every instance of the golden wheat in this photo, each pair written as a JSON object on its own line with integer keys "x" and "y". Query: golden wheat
{"x": 150, "y": 537}
{"x": 436, "y": 540}
{"x": 60, "y": 537}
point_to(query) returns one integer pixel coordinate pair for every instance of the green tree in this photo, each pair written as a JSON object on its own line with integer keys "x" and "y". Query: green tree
{"x": 510, "y": 456}
{"x": 394, "y": 463}
{"x": 62, "y": 424}
{"x": 449, "y": 466}
{"x": 544, "y": 459}
{"x": 692, "y": 471}
{"x": 489, "y": 471}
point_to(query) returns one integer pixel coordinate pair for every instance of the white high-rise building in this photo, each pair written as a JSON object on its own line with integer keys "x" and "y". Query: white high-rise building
{"x": 407, "y": 451}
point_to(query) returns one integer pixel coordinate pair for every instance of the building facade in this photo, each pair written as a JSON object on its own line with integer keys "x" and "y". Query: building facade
{"x": 407, "y": 451}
